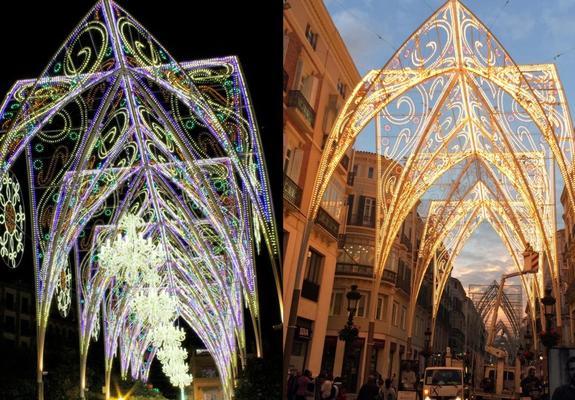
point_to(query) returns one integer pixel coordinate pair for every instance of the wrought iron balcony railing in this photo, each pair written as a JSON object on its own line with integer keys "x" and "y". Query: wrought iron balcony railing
{"x": 297, "y": 99}
{"x": 354, "y": 269}
{"x": 327, "y": 222}
{"x": 389, "y": 276}
{"x": 292, "y": 192}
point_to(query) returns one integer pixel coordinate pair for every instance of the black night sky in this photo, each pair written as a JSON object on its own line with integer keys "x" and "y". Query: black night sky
{"x": 190, "y": 30}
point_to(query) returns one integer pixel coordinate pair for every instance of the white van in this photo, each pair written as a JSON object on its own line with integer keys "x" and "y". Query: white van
{"x": 445, "y": 383}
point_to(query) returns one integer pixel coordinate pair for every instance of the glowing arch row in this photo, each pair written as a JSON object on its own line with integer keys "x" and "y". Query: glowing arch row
{"x": 440, "y": 61}
{"x": 451, "y": 222}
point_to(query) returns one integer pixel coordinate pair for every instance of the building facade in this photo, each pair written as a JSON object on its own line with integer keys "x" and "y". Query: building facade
{"x": 17, "y": 314}
{"x": 319, "y": 74}
{"x": 355, "y": 267}
{"x": 456, "y": 314}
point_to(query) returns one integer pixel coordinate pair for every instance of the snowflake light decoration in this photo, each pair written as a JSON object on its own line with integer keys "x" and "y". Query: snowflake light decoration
{"x": 131, "y": 258}
{"x": 12, "y": 221}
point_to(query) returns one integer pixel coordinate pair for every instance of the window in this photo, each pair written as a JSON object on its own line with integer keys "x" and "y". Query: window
{"x": 10, "y": 324}
{"x": 336, "y": 303}
{"x": 24, "y": 327}
{"x": 285, "y": 243}
{"x": 394, "y": 312}
{"x": 381, "y": 308}
{"x": 292, "y": 164}
{"x": 368, "y": 211}
{"x": 312, "y": 277}
{"x": 311, "y": 36}
{"x": 362, "y": 305}
{"x": 25, "y": 305}
{"x": 334, "y": 199}
{"x": 341, "y": 88}
{"x": 403, "y": 315}
{"x": 9, "y": 301}
{"x": 370, "y": 172}
{"x": 309, "y": 87}
{"x": 313, "y": 271}
{"x": 351, "y": 176}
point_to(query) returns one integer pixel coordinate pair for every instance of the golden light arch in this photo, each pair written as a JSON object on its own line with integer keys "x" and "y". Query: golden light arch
{"x": 504, "y": 111}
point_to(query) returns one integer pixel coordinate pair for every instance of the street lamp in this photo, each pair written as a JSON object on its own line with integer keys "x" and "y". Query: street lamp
{"x": 427, "y": 346}
{"x": 549, "y": 337}
{"x": 353, "y": 297}
{"x": 549, "y": 306}
{"x": 349, "y": 332}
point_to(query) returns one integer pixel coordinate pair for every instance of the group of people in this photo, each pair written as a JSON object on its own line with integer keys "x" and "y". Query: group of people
{"x": 377, "y": 389}
{"x": 302, "y": 386}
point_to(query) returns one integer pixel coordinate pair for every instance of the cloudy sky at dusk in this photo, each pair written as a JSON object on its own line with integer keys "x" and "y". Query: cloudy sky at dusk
{"x": 532, "y": 31}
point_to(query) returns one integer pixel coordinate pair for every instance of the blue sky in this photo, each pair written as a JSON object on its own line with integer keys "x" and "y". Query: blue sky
{"x": 532, "y": 31}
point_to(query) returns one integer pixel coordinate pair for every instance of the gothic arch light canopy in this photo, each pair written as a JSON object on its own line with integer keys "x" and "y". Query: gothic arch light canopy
{"x": 114, "y": 126}
{"x": 451, "y": 99}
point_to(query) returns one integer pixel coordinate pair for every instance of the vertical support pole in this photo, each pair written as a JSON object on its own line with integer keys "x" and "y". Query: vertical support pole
{"x": 555, "y": 278}
{"x": 376, "y": 274}
{"x": 40, "y": 359}
{"x": 107, "y": 378}
{"x": 83, "y": 360}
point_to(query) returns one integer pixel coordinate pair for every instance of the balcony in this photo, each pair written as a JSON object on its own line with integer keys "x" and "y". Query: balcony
{"x": 292, "y": 192}
{"x": 327, "y": 222}
{"x": 310, "y": 290}
{"x": 297, "y": 100}
{"x": 389, "y": 276}
{"x": 354, "y": 269}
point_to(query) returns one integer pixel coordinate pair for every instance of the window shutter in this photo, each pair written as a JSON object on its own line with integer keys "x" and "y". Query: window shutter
{"x": 360, "y": 210}
{"x": 349, "y": 208}
{"x": 295, "y": 165}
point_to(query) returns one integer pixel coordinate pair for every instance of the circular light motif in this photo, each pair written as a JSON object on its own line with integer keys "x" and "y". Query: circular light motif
{"x": 12, "y": 221}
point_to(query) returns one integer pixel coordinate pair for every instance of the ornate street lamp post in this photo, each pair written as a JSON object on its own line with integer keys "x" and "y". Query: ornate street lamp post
{"x": 427, "y": 346}
{"x": 350, "y": 332}
{"x": 549, "y": 337}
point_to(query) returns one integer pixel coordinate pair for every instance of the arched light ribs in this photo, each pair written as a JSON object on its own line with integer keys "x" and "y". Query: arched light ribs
{"x": 19, "y": 133}
{"x": 202, "y": 275}
{"x": 192, "y": 173}
{"x": 223, "y": 357}
{"x": 66, "y": 233}
{"x": 519, "y": 174}
{"x": 236, "y": 252}
{"x": 219, "y": 132}
{"x": 241, "y": 235}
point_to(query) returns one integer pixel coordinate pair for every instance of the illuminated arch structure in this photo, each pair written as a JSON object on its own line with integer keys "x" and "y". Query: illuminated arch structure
{"x": 484, "y": 298}
{"x": 114, "y": 125}
{"x": 470, "y": 131}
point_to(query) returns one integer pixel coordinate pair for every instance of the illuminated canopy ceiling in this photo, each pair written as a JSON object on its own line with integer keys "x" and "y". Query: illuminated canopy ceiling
{"x": 466, "y": 136}
{"x": 114, "y": 125}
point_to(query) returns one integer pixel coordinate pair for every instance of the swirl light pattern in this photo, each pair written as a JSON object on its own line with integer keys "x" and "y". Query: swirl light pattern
{"x": 113, "y": 127}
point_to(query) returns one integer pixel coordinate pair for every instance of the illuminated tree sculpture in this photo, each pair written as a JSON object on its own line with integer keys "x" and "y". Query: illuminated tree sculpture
{"x": 116, "y": 132}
